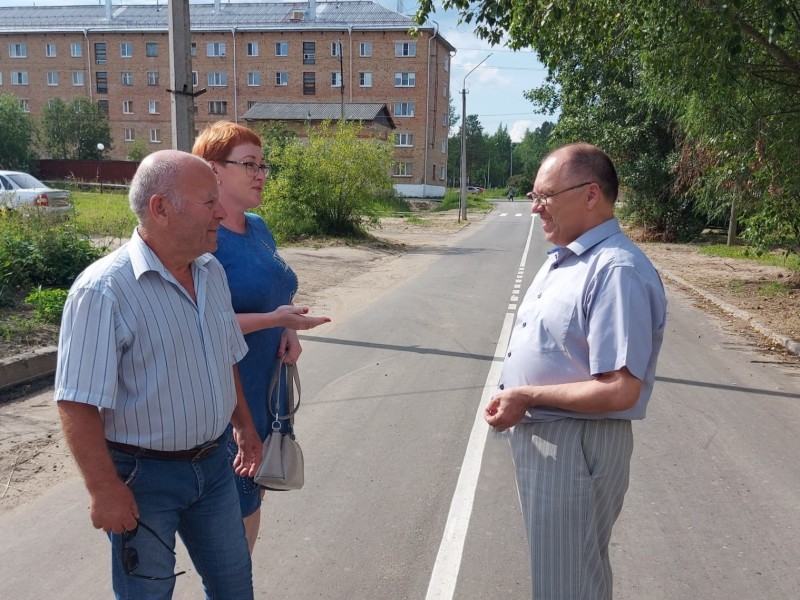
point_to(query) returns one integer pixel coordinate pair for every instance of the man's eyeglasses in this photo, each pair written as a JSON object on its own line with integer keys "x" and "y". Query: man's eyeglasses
{"x": 252, "y": 168}
{"x": 543, "y": 199}
{"x": 130, "y": 557}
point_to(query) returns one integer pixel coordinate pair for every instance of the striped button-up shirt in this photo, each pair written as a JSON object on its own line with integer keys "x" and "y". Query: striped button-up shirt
{"x": 158, "y": 364}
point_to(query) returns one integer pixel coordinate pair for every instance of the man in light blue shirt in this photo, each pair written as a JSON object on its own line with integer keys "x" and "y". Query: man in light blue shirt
{"x": 146, "y": 385}
{"x": 580, "y": 366}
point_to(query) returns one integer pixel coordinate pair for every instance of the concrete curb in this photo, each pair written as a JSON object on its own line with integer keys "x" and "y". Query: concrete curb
{"x": 791, "y": 345}
{"x": 23, "y": 368}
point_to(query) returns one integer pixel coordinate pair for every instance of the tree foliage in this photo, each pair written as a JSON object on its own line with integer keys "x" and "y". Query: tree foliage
{"x": 327, "y": 184}
{"x": 696, "y": 100}
{"x": 73, "y": 130}
{"x": 16, "y": 135}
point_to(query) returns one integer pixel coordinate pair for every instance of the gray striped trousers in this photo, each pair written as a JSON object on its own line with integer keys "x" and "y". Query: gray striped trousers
{"x": 572, "y": 475}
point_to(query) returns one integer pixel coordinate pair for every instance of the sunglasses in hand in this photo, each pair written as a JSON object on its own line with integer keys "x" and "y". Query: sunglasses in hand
{"x": 130, "y": 557}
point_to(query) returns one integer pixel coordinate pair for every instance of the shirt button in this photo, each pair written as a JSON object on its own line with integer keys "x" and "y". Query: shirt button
{"x": 539, "y": 295}
{"x": 509, "y": 353}
{"x": 502, "y": 387}
{"x": 524, "y": 324}
{"x": 555, "y": 266}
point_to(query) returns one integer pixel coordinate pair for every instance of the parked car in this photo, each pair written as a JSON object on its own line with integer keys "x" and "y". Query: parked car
{"x": 22, "y": 191}
{"x": 474, "y": 189}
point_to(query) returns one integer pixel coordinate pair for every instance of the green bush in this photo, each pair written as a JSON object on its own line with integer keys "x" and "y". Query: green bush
{"x": 36, "y": 251}
{"x": 48, "y": 304}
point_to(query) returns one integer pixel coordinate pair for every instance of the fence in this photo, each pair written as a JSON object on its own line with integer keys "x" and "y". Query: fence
{"x": 88, "y": 171}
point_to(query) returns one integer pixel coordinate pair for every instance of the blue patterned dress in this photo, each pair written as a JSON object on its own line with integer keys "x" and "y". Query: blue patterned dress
{"x": 260, "y": 282}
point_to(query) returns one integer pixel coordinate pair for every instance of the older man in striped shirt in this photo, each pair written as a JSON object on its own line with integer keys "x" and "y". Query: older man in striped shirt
{"x": 147, "y": 385}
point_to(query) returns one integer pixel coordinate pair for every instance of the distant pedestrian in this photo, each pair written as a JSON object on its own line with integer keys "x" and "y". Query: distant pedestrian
{"x": 511, "y": 194}
{"x": 580, "y": 366}
{"x": 146, "y": 385}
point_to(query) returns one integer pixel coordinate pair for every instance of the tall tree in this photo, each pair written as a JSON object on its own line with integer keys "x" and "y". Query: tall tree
{"x": 73, "y": 130}
{"x": 16, "y": 135}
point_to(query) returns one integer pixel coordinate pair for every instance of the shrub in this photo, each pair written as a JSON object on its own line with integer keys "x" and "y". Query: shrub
{"x": 48, "y": 304}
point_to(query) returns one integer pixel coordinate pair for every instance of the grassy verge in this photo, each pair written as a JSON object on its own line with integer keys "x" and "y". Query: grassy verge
{"x": 775, "y": 259}
{"x": 103, "y": 215}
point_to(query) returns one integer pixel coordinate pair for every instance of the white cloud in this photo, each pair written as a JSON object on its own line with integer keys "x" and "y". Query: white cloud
{"x": 518, "y": 128}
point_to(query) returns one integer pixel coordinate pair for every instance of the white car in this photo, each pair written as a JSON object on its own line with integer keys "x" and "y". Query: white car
{"x": 22, "y": 191}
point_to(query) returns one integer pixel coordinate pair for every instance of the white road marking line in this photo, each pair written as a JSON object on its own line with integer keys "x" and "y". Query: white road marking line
{"x": 442, "y": 585}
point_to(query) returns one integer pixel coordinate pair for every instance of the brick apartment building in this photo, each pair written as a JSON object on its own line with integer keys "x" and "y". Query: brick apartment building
{"x": 350, "y": 51}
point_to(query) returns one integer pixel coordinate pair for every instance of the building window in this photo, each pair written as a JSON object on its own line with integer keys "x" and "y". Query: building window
{"x": 75, "y": 50}
{"x": 155, "y": 136}
{"x": 194, "y": 49}
{"x": 127, "y": 107}
{"x": 405, "y": 79}
{"x": 1, "y": 78}
{"x": 404, "y": 109}
{"x": 17, "y": 50}
{"x": 365, "y": 49}
{"x": 52, "y": 78}
{"x": 336, "y": 79}
{"x": 405, "y": 48}
{"x": 444, "y": 120}
{"x": 100, "y": 53}
{"x": 128, "y": 135}
{"x": 252, "y": 48}
{"x": 77, "y": 78}
{"x": 151, "y": 49}
{"x": 217, "y": 79}
{"x": 365, "y": 79}
{"x": 50, "y": 50}
{"x": 253, "y": 78}
{"x": 101, "y": 79}
{"x": 282, "y": 78}
{"x": 19, "y": 78}
{"x": 441, "y": 173}
{"x": 309, "y": 53}
{"x": 152, "y": 107}
{"x": 444, "y": 146}
{"x": 405, "y": 140}
{"x": 126, "y": 78}
{"x": 309, "y": 84}
{"x": 218, "y": 107}
{"x": 336, "y": 49}
{"x": 446, "y": 64}
{"x": 215, "y": 49}
{"x": 126, "y": 50}
{"x": 401, "y": 169}
{"x": 444, "y": 91}
{"x": 281, "y": 48}
{"x": 195, "y": 78}
{"x": 103, "y": 106}
{"x": 25, "y": 105}
{"x": 152, "y": 78}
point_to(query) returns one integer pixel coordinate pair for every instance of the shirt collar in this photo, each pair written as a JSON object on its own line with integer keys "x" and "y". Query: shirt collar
{"x": 143, "y": 259}
{"x": 594, "y": 236}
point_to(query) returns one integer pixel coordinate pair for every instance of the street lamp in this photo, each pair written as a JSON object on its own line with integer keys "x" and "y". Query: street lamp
{"x": 462, "y": 209}
{"x": 100, "y": 147}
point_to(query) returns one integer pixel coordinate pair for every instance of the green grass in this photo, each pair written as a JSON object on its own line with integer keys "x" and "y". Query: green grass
{"x": 775, "y": 288}
{"x": 452, "y": 199}
{"x": 103, "y": 214}
{"x": 745, "y": 252}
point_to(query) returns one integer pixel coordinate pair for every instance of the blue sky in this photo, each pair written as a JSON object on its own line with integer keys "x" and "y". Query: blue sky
{"x": 494, "y": 90}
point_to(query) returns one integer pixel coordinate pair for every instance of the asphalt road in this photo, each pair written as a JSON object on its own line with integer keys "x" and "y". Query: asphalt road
{"x": 408, "y": 496}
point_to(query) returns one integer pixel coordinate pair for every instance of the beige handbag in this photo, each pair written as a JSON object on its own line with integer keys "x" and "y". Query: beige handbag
{"x": 282, "y": 461}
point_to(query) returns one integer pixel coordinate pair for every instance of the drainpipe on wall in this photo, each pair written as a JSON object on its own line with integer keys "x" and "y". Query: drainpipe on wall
{"x": 350, "y": 37}
{"x": 312, "y": 10}
{"x": 88, "y": 64}
{"x": 427, "y": 112}
{"x": 235, "y": 80}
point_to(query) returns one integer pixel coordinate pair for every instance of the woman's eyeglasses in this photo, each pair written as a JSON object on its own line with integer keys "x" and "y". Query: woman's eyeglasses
{"x": 252, "y": 168}
{"x": 130, "y": 557}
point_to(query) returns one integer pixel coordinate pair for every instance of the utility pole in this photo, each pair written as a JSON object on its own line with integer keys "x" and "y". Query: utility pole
{"x": 180, "y": 62}
{"x": 462, "y": 209}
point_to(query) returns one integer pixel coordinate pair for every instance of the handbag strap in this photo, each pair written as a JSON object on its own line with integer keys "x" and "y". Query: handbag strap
{"x": 292, "y": 382}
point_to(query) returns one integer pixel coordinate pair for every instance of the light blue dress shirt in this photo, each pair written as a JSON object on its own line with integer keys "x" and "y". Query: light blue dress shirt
{"x": 157, "y": 364}
{"x": 595, "y": 306}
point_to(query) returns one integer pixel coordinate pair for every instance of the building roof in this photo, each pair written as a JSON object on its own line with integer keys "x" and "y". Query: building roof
{"x": 320, "y": 111}
{"x": 251, "y": 16}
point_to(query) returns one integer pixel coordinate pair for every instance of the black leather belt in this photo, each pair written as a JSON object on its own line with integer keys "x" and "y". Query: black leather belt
{"x": 192, "y": 455}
